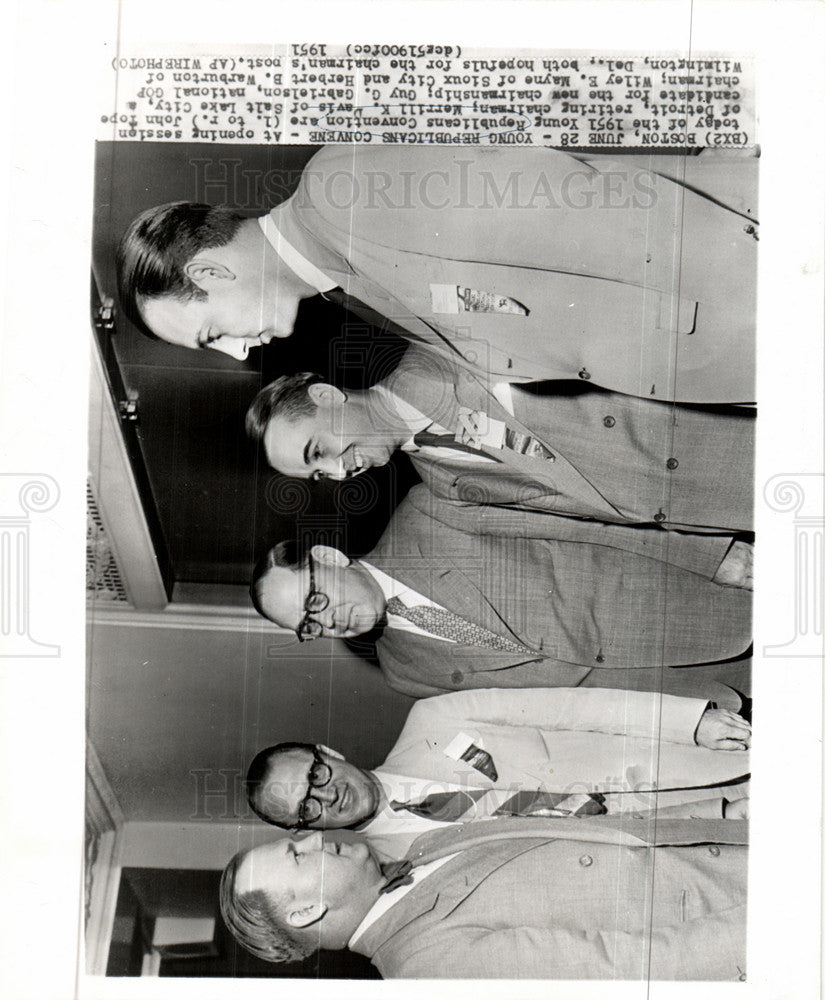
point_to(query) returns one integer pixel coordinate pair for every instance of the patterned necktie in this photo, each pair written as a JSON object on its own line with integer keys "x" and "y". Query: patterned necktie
{"x": 443, "y": 623}
{"x": 427, "y": 439}
{"x": 460, "y": 805}
{"x": 522, "y": 444}
{"x": 445, "y": 807}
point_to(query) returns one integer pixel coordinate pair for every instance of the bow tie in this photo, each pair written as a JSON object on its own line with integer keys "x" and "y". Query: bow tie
{"x": 396, "y": 873}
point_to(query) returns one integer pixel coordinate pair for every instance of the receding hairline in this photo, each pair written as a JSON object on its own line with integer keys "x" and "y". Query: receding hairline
{"x": 256, "y": 790}
{"x": 256, "y": 590}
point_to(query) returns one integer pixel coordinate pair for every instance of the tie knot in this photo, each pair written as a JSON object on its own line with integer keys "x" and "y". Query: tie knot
{"x": 396, "y": 873}
{"x": 395, "y": 606}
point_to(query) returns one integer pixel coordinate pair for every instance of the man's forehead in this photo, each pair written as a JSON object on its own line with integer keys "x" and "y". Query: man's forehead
{"x": 288, "y": 441}
{"x": 251, "y": 874}
{"x": 285, "y": 783}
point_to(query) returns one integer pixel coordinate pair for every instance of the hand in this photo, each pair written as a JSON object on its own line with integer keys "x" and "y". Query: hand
{"x": 738, "y": 809}
{"x": 721, "y": 729}
{"x": 736, "y": 569}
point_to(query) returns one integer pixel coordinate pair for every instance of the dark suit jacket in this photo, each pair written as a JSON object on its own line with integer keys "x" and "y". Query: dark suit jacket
{"x": 574, "y": 607}
{"x": 631, "y": 281}
{"x": 615, "y": 458}
{"x": 577, "y": 901}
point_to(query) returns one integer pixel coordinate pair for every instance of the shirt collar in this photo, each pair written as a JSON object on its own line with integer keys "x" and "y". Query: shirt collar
{"x": 293, "y": 259}
{"x": 389, "y": 899}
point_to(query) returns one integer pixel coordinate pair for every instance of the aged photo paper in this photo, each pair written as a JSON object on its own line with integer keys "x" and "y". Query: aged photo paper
{"x": 527, "y": 559}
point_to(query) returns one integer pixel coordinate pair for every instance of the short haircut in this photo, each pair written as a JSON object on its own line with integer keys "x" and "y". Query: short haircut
{"x": 257, "y": 920}
{"x": 289, "y": 554}
{"x": 155, "y": 249}
{"x": 258, "y": 773}
{"x": 286, "y": 397}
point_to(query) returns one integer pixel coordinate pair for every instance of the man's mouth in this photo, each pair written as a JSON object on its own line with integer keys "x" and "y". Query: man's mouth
{"x": 354, "y": 462}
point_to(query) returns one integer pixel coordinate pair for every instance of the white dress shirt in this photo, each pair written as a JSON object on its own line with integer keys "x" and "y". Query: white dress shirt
{"x": 389, "y": 899}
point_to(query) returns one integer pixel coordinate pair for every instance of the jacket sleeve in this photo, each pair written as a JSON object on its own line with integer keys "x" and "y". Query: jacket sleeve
{"x": 710, "y": 947}
{"x": 701, "y": 554}
{"x": 640, "y": 714}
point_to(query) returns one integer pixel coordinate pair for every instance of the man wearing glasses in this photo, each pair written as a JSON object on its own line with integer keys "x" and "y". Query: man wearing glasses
{"x": 480, "y": 755}
{"x": 465, "y": 610}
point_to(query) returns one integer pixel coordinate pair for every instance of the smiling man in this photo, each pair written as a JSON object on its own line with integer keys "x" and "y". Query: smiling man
{"x": 514, "y": 899}
{"x": 562, "y": 450}
{"x": 459, "y": 609}
{"x": 475, "y": 755}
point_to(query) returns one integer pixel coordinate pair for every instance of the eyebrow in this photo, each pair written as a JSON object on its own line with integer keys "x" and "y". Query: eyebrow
{"x": 307, "y": 449}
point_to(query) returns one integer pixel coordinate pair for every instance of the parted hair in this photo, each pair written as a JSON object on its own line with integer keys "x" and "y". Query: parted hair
{"x": 160, "y": 242}
{"x": 257, "y": 920}
{"x": 289, "y": 554}
{"x": 286, "y": 397}
{"x": 258, "y": 773}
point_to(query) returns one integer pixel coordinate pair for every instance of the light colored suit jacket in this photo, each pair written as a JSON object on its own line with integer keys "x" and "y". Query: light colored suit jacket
{"x": 531, "y": 899}
{"x": 614, "y": 458}
{"x": 575, "y": 608}
{"x": 631, "y": 280}
{"x": 566, "y": 740}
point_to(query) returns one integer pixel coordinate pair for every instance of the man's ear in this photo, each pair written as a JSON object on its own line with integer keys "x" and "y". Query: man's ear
{"x": 326, "y": 555}
{"x": 304, "y": 916}
{"x": 202, "y": 271}
{"x": 329, "y": 752}
{"x": 325, "y": 395}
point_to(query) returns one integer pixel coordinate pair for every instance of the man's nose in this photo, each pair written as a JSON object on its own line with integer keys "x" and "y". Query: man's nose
{"x": 326, "y": 617}
{"x": 328, "y": 795}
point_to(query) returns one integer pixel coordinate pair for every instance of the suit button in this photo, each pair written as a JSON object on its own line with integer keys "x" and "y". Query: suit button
{"x": 584, "y": 373}
{"x": 585, "y": 861}
{"x": 714, "y": 851}
{"x": 609, "y": 421}
{"x": 672, "y": 463}
{"x": 660, "y": 516}
{"x": 456, "y": 677}
{"x": 600, "y": 658}
{"x": 742, "y": 978}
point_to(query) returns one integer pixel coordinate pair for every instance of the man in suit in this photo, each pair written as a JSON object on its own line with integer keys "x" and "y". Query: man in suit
{"x": 475, "y": 755}
{"x": 461, "y": 610}
{"x": 637, "y": 275}
{"x": 580, "y": 453}
{"x": 531, "y": 899}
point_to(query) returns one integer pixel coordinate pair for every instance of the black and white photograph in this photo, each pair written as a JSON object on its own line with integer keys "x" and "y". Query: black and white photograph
{"x": 445, "y": 561}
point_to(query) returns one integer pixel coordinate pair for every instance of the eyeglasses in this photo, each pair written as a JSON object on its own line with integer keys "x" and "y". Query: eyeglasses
{"x": 310, "y": 809}
{"x": 315, "y": 603}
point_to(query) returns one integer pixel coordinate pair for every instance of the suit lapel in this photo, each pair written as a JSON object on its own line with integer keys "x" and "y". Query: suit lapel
{"x": 454, "y": 590}
{"x": 441, "y": 892}
{"x": 438, "y": 389}
{"x": 564, "y": 476}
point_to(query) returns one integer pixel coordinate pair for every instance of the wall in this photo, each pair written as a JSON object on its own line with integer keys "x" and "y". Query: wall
{"x": 170, "y": 708}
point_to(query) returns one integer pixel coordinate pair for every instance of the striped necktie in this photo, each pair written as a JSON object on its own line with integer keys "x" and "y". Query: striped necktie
{"x": 446, "y": 625}
{"x": 461, "y": 805}
{"x": 516, "y": 441}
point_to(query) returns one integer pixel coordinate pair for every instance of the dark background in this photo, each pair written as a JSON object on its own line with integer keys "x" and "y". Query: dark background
{"x": 218, "y": 505}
